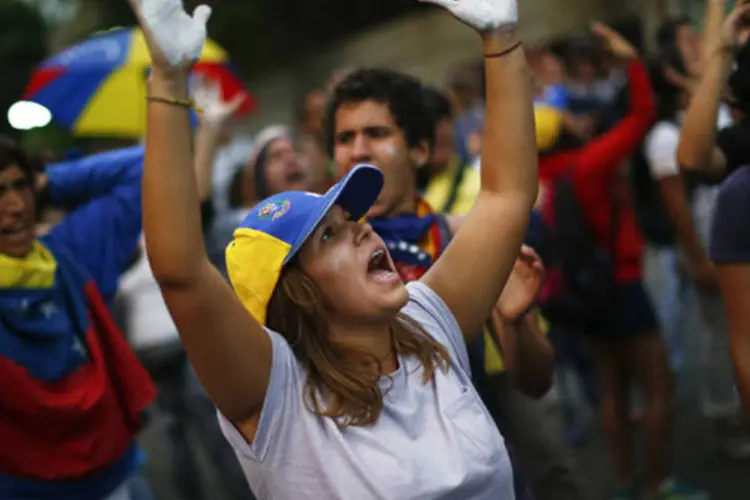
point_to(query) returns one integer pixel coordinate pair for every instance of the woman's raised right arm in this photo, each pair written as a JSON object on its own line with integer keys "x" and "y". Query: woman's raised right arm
{"x": 230, "y": 351}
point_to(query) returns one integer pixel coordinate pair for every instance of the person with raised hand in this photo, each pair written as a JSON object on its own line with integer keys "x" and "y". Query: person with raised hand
{"x": 333, "y": 379}
{"x": 73, "y": 395}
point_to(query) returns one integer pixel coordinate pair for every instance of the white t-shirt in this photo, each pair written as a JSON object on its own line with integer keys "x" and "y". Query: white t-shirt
{"x": 663, "y": 140}
{"x": 434, "y": 441}
{"x": 147, "y": 319}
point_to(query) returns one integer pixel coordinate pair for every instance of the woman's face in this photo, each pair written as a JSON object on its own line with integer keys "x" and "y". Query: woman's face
{"x": 351, "y": 267}
{"x": 688, "y": 44}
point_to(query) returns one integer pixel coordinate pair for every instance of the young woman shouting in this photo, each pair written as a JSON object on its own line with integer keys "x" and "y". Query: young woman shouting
{"x": 333, "y": 379}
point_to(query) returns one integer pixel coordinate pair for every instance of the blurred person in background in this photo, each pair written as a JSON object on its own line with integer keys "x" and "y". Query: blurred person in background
{"x": 311, "y": 115}
{"x": 465, "y": 86}
{"x": 623, "y": 334}
{"x": 182, "y": 402}
{"x": 670, "y": 79}
{"x": 276, "y": 164}
{"x": 554, "y": 119}
{"x": 311, "y": 140}
{"x": 690, "y": 205}
{"x": 581, "y": 66}
{"x": 73, "y": 393}
{"x": 549, "y": 77}
{"x": 725, "y": 154}
{"x": 448, "y": 184}
{"x": 593, "y": 85}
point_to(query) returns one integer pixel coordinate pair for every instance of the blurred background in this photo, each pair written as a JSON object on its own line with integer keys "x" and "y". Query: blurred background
{"x": 281, "y": 49}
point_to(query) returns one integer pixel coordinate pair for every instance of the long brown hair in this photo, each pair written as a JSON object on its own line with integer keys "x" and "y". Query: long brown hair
{"x": 342, "y": 381}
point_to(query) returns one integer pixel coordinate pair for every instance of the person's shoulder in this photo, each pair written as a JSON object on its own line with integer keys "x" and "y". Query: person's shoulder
{"x": 427, "y": 307}
{"x": 729, "y": 233}
{"x": 735, "y": 190}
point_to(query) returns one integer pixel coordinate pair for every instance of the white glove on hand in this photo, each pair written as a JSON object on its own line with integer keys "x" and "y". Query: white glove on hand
{"x": 483, "y": 15}
{"x": 214, "y": 110}
{"x": 178, "y": 36}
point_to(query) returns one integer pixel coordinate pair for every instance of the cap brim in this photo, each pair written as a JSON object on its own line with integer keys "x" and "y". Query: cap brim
{"x": 355, "y": 193}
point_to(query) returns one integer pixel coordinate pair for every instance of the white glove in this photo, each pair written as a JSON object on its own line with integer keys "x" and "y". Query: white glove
{"x": 483, "y": 15}
{"x": 178, "y": 36}
{"x": 214, "y": 110}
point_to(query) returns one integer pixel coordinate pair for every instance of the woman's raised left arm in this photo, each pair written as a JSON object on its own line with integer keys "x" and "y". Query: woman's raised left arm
{"x": 472, "y": 272}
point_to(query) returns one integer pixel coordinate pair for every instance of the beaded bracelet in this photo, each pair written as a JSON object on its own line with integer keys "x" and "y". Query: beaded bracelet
{"x": 184, "y": 103}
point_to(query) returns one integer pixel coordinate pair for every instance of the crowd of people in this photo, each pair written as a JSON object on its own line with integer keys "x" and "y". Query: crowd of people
{"x": 377, "y": 299}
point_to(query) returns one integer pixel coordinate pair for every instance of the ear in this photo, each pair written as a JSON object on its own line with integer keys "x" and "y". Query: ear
{"x": 420, "y": 153}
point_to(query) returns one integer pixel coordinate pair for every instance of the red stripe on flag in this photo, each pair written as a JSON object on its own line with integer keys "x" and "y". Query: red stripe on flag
{"x": 40, "y": 79}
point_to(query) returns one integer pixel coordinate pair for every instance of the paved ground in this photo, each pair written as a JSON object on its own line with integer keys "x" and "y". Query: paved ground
{"x": 694, "y": 455}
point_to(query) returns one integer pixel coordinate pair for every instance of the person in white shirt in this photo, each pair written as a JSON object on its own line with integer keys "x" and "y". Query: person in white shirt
{"x": 334, "y": 380}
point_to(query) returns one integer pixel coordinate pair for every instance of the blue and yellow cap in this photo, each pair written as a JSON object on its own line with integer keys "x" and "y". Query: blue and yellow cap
{"x": 277, "y": 227}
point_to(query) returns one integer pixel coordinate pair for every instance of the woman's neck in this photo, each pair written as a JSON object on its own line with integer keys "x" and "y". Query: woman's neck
{"x": 375, "y": 340}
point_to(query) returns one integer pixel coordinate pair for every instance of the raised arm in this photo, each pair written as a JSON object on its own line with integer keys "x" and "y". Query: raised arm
{"x": 72, "y": 183}
{"x": 472, "y": 272}
{"x": 103, "y": 227}
{"x": 214, "y": 117}
{"x": 230, "y": 351}
{"x": 604, "y": 154}
{"x": 697, "y": 151}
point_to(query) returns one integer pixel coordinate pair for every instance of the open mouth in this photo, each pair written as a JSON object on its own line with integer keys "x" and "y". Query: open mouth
{"x": 295, "y": 176}
{"x": 380, "y": 268}
{"x": 14, "y": 230}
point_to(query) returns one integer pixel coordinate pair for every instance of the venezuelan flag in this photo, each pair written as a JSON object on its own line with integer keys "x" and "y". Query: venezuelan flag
{"x": 98, "y": 87}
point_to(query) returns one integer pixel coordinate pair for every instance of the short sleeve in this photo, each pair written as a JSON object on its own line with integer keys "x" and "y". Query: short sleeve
{"x": 282, "y": 404}
{"x": 661, "y": 150}
{"x": 428, "y": 309}
{"x": 730, "y": 234}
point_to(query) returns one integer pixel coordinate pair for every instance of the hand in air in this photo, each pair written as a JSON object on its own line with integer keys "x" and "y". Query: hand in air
{"x": 523, "y": 287}
{"x": 214, "y": 110}
{"x": 174, "y": 38}
{"x": 614, "y": 42}
{"x": 483, "y": 15}
{"x": 736, "y": 30}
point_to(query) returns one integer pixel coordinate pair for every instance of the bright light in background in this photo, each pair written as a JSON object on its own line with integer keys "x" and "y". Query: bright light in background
{"x": 26, "y": 115}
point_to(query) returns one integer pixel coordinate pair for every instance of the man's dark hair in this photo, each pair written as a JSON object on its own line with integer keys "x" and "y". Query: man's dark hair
{"x": 402, "y": 94}
{"x": 12, "y": 154}
{"x": 437, "y": 105}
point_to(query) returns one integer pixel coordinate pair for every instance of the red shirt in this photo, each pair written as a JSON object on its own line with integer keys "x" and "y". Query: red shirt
{"x": 598, "y": 175}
